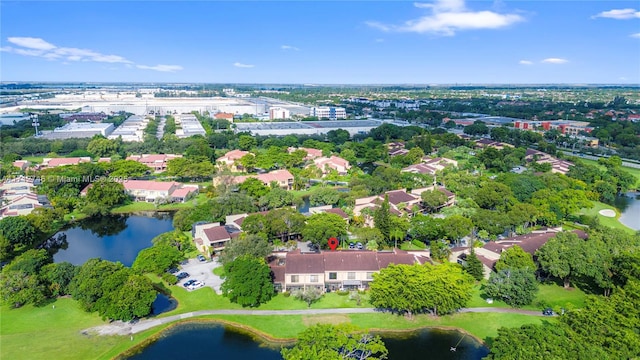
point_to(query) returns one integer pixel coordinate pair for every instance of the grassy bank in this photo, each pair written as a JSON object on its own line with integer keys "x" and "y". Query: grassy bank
{"x": 549, "y": 295}
{"x": 56, "y": 333}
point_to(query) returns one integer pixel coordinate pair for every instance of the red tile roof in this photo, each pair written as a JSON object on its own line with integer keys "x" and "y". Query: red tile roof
{"x": 339, "y": 212}
{"x": 148, "y": 185}
{"x": 217, "y": 233}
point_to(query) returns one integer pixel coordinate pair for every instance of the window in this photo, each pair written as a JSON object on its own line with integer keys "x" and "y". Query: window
{"x": 351, "y": 276}
{"x": 369, "y": 276}
{"x": 294, "y": 278}
{"x": 333, "y": 276}
{"x": 313, "y": 278}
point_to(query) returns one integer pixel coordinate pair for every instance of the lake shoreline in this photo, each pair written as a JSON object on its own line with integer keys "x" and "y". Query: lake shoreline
{"x": 270, "y": 341}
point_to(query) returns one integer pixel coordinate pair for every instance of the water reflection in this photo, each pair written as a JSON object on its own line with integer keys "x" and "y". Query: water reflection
{"x": 113, "y": 238}
{"x": 629, "y": 206}
{"x": 211, "y": 340}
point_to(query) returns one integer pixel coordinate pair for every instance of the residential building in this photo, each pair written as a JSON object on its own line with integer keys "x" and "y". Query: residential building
{"x": 282, "y": 177}
{"x": 329, "y": 209}
{"x": 150, "y": 191}
{"x": 557, "y": 165}
{"x": 431, "y": 166}
{"x": 489, "y": 254}
{"x": 230, "y": 160}
{"x": 335, "y": 270}
{"x": 55, "y": 162}
{"x": 21, "y": 164}
{"x": 400, "y": 202}
{"x": 11, "y": 189}
{"x": 184, "y": 193}
{"x": 21, "y": 205}
{"x": 212, "y": 237}
{"x": 311, "y": 153}
{"x": 157, "y": 162}
{"x": 328, "y": 112}
{"x": 326, "y": 164}
{"x": 279, "y": 113}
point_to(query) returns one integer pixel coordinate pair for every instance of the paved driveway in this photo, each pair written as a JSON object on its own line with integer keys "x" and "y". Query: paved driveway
{"x": 202, "y": 271}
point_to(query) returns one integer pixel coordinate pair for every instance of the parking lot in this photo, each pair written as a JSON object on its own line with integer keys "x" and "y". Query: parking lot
{"x": 202, "y": 271}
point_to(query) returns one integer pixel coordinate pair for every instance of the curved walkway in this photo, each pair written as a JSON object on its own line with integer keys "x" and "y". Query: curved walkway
{"x": 127, "y": 328}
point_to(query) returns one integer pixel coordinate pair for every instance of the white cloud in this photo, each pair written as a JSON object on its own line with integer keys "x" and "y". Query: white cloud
{"x": 289, "y": 47}
{"x": 555, "y": 61}
{"x": 525, "y": 62}
{"x": 162, "y": 68}
{"x": 449, "y": 16}
{"x": 241, "y": 65}
{"x": 29, "y": 46}
{"x": 31, "y": 43}
{"x": 619, "y": 14}
{"x": 636, "y": 35}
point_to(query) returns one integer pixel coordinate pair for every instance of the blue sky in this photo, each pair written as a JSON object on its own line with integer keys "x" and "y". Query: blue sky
{"x": 328, "y": 42}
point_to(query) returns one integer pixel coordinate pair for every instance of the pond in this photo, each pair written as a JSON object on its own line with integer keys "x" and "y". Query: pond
{"x": 163, "y": 303}
{"x": 113, "y": 237}
{"x": 211, "y": 340}
{"x": 629, "y": 206}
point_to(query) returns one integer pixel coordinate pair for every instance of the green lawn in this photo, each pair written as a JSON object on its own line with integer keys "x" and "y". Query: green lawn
{"x": 147, "y": 206}
{"x": 549, "y": 295}
{"x": 58, "y": 329}
{"x": 408, "y": 246}
{"x": 55, "y": 333}
{"x": 606, "y": 221}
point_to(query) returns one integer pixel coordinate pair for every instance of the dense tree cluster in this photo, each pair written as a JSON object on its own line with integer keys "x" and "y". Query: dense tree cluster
{"x": 334, "y": 342}
{"x": 436, "y": 289}
{"x": 248, "y": 281}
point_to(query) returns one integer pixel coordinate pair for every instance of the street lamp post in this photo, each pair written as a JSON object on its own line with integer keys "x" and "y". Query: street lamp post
{"x": 34, "y": 122}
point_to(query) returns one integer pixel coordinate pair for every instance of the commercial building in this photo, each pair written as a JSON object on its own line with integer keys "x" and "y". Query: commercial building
{"x": 279, "y": 113}
{"x": 188, "y": 125}
{"x": 328, "y": 112}
{"x": 131, "y": 129}
{"x": 79, "y": 130}
{"x": 312, "y": 127}
{"x": 566, "y": 127}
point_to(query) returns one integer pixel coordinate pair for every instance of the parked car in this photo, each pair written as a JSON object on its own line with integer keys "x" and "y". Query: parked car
{"x": 173, "y": 271}
{"x": 359, "y": 246}
{"x": 195, "y": 285}
{"x": 201, "y": 258}
{"x": 189, "y": 283}
{"x": 182, "y": 275}
{"x": 547, "y": 312}
{"x": 352, "y": 245}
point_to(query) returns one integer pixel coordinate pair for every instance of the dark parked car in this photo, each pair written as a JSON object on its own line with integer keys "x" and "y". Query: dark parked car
{"x": 352, "y": 245}
{"x": 188, "y": 283}
{"x": 201, "y": 258}
{"x": 173, "y": 271}
{"x": 182, "y": 275}
{"x": 547, "y": 312}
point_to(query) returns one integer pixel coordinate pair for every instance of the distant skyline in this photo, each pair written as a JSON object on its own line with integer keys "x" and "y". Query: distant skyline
{"x": 332, "y": 42}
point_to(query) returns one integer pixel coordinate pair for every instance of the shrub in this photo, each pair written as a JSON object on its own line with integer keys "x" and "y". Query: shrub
{"x": 169, "y": 278}
{"x": 419, "y": 244}
{"x": 342, "y": 292}
{"x": 286, "y": 294}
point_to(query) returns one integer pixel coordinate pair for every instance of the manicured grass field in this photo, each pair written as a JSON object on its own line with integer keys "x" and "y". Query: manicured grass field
{"x": 606, "y": 221}
{"x": 549, "y": 295}
{"x": 147, "y": 206}
{"x": 54, "y": 333}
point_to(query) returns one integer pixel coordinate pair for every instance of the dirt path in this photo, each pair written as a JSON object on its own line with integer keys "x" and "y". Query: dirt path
{"x": 127, "y": 328}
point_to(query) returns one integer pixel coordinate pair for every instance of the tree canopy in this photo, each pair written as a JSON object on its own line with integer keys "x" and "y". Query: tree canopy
{"x": 248, "y": 281}
{"x": 438, "y": 289}
{"x": 335, "y": 342}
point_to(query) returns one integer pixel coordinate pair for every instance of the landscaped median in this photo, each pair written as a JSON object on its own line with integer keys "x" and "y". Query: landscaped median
{"x": 51, "y": 330}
